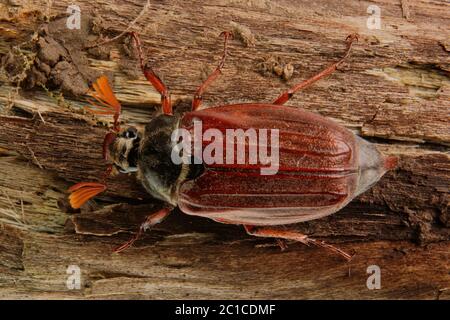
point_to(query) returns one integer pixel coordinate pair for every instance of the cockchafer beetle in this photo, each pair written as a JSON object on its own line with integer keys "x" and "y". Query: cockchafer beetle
{"x": 322, "y": 165}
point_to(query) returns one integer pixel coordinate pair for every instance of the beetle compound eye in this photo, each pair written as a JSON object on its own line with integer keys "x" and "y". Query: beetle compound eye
{"x": 130, "y": 133}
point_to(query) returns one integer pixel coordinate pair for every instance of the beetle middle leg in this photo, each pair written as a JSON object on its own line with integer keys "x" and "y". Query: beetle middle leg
{"x": 149, "y": 222}
{"x": 153, "y": 78}
{"x": 285, "y": 96}
{"x": 198, "y": 97}
{"x": 293, "y": 235}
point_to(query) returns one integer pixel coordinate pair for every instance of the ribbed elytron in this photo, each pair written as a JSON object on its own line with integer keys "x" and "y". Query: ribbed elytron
{"x": 322, "y": 165}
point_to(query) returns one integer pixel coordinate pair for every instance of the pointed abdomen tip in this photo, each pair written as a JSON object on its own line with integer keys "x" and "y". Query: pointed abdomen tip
{"x": 390, "y": 162}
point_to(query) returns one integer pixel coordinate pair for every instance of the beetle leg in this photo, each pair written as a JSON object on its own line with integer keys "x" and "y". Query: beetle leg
{"x": 199, "y": 93}
{"x": 153, "y": 78}
{"x": 293, "y": 235}
{"x": 149, "y": 222}
{"x": 285, "y": 96}
{"x": 281, "y": 243}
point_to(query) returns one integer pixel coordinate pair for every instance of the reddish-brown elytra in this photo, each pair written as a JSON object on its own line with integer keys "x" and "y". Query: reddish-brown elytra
{"x": 321, "y": 167}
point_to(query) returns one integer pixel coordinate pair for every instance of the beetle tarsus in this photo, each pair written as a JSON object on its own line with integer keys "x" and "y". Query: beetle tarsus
{"x": 293, "y": 235}
{"x": 152, "y": 77}
{"x": 325, "y": 245}
{"x": 149, "y": 222}
{"x": 285, "y": 96}
{"x": 198, "y": 97}
{"x": 129, "y": 243}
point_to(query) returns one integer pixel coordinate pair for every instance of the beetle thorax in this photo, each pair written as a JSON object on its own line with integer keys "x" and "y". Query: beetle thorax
{"x": 157, "y": 172}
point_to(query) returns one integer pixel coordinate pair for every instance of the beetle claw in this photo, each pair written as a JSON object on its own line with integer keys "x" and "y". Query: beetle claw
{"x": 352, "y": 37}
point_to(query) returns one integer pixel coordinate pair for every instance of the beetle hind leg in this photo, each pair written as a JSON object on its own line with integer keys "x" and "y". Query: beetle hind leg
{"x": 293, "y": 235}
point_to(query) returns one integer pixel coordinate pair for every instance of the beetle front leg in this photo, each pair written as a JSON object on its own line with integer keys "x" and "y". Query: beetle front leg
{"x": 293, "y": 235}
{"x": 153, "y": 78}
{"x": 198, "y": 97}
{"x": 285, "y": 96}
{"x": 149, "y": 222}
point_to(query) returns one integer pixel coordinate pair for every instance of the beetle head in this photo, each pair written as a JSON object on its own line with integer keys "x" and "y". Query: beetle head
{"x": 124, "y": 148}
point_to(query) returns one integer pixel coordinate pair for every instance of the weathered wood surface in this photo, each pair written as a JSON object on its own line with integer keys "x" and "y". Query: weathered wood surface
{"x": 394, "y": 90}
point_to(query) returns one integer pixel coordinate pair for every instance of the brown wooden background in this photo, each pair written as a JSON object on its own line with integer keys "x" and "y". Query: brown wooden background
{"x": 394, "y": 91}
